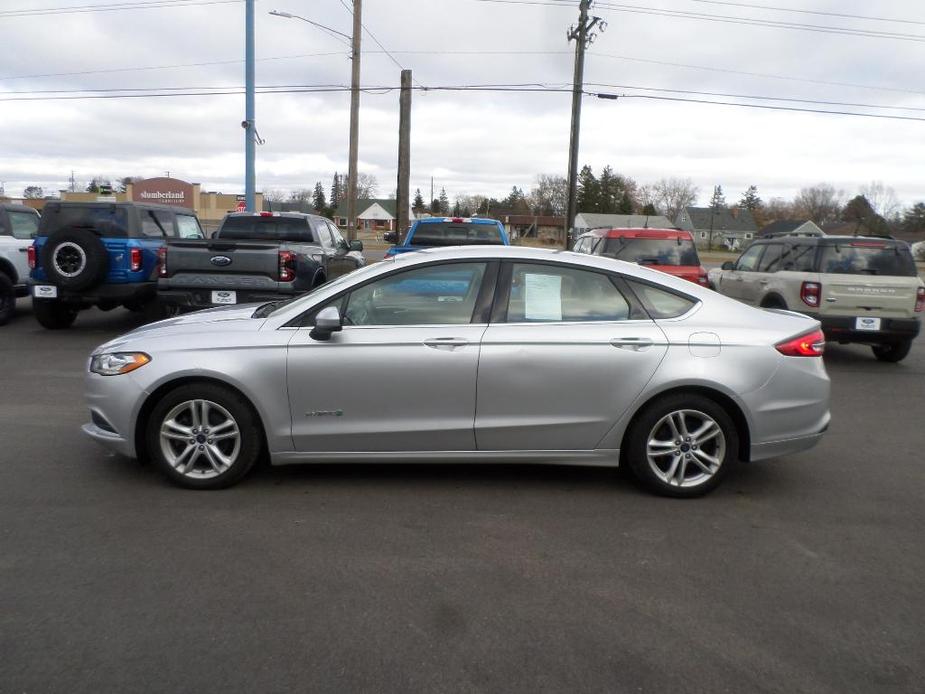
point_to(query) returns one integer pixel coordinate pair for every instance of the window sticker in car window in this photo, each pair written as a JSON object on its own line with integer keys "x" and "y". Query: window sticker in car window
{"x": 542, "y": 297}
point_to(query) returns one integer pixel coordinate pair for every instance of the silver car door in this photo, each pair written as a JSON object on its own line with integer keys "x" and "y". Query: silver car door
{"x": 563, "y": 362}
{"x": 401, "y": 374}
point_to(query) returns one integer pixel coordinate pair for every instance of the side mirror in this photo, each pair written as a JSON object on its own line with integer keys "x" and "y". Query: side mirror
{"x": 390, "y": 237}
{"x": 327, "y": 322}
{"x": 728, "y": 265}
{"x": 356, "y": 245}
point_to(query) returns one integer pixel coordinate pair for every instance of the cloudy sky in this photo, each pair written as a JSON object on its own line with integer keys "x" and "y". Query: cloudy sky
{"x": 469, "y": 142}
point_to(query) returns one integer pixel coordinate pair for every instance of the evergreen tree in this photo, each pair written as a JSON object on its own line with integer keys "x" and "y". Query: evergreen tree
{"x": 336, "y": 191}
{"x": 457, "y": 210}
{"x": 718, "y": 200}
{"x": 626, "y": 203}
{"x": 435, "y": 206}
{"x": 750, "y": 199}
{"x": 444, "y": 202}
{"x": 318, "y": 201}
{"x": 418, "y": 204}
{"x": 649, "y": 209}
{"x": 914, "y": 218}
{"x": 589, "y": 191}
{"x": 610, "y": 190}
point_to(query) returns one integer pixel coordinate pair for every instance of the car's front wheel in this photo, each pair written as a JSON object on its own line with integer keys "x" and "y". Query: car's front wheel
{"x": 204, "y": 436}
{"x": 682, "y": 445}
{"x": 892, "y": 351}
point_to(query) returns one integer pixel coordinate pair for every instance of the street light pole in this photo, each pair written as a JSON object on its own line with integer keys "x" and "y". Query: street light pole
{"x": 250, "y": 133}
{"x": 354, "y": 122}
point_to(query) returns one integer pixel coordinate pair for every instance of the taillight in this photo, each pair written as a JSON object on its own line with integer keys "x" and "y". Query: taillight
{"x": 134, "y": 256}
{"x": 703, "y": 280}
{"x": 919, "y": 299}
{"x": 162, "y": 261}
{"x": 30, "y": 254}
{"x": 286, "y": 266}
{"x": 811, "y": 292}
{"x": 807, "y": 345}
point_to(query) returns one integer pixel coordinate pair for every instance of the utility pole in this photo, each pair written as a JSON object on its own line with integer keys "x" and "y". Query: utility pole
{"x": 581, "y": 34}
{"x": 430, "y": 204}
{"x": 354, "y": 121}
{"x": 250, "y": 132}
{"x": 402, "y": 197}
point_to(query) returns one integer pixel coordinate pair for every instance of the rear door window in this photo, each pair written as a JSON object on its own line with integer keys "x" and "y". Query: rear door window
{"x": 546, "y": 293}
{"x": 770, "y": 261}
{"x": 24, "y": 225}
{"x": 153, "y": 227}
{"x": 798, "y": 258}
{"x": 867, "y": 258}
{"x": 748, "y": 261}
{"x": 105, "y": 219}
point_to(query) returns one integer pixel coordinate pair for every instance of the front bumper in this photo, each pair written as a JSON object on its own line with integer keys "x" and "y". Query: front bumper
{"x": 202, "y": 298}
{"x": 841, "y": 329}
{"x": 114, "y": 402}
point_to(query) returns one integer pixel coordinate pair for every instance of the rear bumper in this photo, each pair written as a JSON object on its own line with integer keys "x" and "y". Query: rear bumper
{"x": 20, "y": 290}
{"x": 779, "y": 449}
{"x": 202, "y": 298}
{"x": 140, "y": 292}
{"x": 841, "y": 329}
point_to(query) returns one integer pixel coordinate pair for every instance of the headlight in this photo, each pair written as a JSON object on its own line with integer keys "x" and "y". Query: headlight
{"x": 117, "y": 363}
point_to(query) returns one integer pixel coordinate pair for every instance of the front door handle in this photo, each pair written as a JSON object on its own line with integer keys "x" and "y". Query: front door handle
{"x": 633, "y": 343}
{"x": 446, "y": 342}
{"x": 24, "y": 250}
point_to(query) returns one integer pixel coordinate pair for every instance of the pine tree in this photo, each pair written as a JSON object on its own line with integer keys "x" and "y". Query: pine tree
{"x": 914, "y": 218}
{"x": 418, "y": 200}
{"x": 318, "y": 201}
{"x": 609, "y": 185}
{"x": 718, "y": 200}
{"x": 589, "y": 191}
{"x": 457, "y": 210}
{"x": 435, "y": 206}
{"x": 626, "y": 203}
{"x": 750, "y": 199}
{"x": 444, "y": 202}
{"x": 336, "y": 191}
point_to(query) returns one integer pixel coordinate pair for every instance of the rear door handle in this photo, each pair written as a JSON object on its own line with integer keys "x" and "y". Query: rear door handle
{"x": 446, "y": 342}
{"x": 24, "y": 250}
{"x": 634, "y": 343}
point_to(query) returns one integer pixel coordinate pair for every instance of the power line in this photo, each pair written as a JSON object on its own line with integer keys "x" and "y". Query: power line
{"x": 375, "y": 40}
{"x": 112, "y": 7}
{"x": 494, "y": 88}
{"x": 815, "y": 12}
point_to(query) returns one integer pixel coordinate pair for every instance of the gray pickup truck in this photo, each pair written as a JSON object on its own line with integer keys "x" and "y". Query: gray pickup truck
{"x": 254, "y": 257}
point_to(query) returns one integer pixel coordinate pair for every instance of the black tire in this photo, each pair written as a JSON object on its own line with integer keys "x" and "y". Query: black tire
{"x": 155, "y": 310}
{"x": 892, "y": 352}
{"x": 224, "y": 403}
{"x": 774, "y": 302}
{"x": 649, "y": 423}
{"x": 53, "y": 314}
{"x": 75, "y": 259}
{"x": 7, "y": 299}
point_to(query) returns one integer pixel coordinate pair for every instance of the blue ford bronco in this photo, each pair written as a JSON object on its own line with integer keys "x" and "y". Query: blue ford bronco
{"x": 102, "y": 254}
{"x": 432, "y": 232}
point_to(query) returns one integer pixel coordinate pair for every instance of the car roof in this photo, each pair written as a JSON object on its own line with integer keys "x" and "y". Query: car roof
{"x": 641, "y": 233}
{"x": 457, "y": 220}
{"x": 16, "y": 207}
{"x": 53, "y": 204}
{"x": 828, "y": 239}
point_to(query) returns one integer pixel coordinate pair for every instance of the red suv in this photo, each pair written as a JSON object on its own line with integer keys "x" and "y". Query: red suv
{"x": 668, "y": 250}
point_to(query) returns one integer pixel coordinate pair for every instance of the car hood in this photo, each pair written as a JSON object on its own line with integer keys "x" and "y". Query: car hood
{"x": 239, "y": 317}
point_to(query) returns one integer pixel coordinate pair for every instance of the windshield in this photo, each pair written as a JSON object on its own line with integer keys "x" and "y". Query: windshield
{"x": 456, "y": 234}
{"x": 265, "y": 229}
{"x": 106, "y": 220}
{"x": 867, "y": 258}
{"x": 646, "y": 251}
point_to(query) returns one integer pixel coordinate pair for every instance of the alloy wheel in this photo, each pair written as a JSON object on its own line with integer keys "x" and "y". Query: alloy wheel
{"x": 200, "y": 439}
{"x": 686, "y": 448}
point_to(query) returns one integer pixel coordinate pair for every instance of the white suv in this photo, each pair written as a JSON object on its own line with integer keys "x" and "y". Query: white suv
{"x": 861, "y": 289}
{"x": 18, "y": 225}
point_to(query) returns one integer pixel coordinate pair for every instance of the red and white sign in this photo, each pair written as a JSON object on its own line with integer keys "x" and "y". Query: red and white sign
{"x": 242, "y": 206}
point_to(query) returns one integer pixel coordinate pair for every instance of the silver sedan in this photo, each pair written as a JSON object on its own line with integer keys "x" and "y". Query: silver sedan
{"x": 473, "y": 354}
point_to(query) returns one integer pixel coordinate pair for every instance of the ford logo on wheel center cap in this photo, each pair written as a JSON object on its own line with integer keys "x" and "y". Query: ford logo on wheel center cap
{"x": 220, "y": 260}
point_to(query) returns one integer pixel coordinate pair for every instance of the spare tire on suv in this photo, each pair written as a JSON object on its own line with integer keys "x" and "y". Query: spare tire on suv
{"x": 75, "y": 259}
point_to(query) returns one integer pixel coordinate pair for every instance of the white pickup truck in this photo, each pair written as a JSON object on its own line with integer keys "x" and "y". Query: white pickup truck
{"x": 18, "y": 225}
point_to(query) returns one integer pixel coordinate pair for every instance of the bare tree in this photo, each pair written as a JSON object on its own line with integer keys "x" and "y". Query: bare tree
{"x": 674, "y": 194}
{"x": 550, "y": 195}
{"x": 882, "y": 198}
{"x": 301, "y": 195}
{"x": 275, "y": 195}
{"x": 821, "y": 203}
{"x": 367, "y": 185}
{"x": 776, "y": 209}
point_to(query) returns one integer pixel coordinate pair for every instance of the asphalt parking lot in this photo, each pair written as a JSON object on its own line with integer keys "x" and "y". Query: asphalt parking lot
{"x": 798, "y": 575}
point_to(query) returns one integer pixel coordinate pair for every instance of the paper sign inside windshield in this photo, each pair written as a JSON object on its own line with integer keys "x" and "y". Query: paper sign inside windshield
{"x": 542, "y": 297}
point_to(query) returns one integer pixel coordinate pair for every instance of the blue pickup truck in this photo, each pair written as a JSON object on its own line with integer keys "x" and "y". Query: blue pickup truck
{"x": 103, "y": 254}
{"x": 433, "y": 232}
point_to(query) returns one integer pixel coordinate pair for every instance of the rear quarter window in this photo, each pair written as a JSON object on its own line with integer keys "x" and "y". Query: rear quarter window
{"x": 24, "y": 225}
{"x": 661, "y": 303}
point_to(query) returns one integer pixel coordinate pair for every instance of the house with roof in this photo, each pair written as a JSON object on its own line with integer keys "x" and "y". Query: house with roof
{"x": 373, "y": 214}
{"x": 792, "y": 227}
{"x": 718, "y": 228}
{"x": 593, "y": 220}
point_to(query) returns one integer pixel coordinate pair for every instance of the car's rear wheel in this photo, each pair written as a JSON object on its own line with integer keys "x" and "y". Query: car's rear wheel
{"x": 892, "y": 351}
{"x": 203, "y": 436}
{"x": 7, "y": 299}
{"x": 53, "y": 314}
{"x": 682, "y": 445}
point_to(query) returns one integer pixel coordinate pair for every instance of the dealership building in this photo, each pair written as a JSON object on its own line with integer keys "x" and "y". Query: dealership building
{"x": 210, "y": 206}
